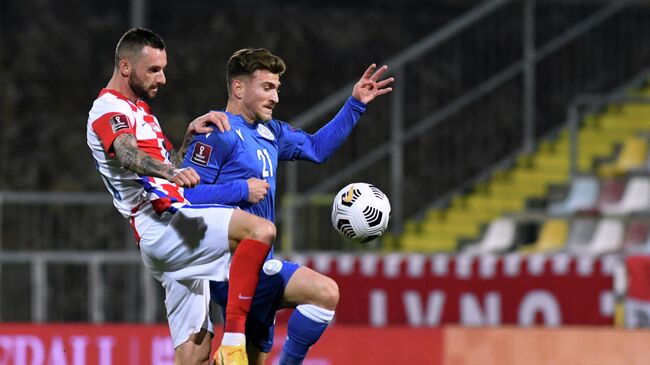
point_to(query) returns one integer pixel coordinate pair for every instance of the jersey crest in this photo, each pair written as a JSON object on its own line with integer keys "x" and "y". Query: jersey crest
{"x": 201, "y": 154}
{"x": 119, "y": 121}
{"x": 265, "y": 132}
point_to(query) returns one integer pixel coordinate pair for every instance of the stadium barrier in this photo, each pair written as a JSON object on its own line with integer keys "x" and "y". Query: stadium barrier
{"x": 379, "y": 290}
{"x": 85, "y": 344}
{"x": 637, "y": 297}
{"x": 543, "y": 346}
{"x": 432, "y": 290}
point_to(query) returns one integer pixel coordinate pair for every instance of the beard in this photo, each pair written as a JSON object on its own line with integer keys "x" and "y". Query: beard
{"x": 262, "y": 118}
{"x": 139, "y": 88}
{"x": 264, "y": 115}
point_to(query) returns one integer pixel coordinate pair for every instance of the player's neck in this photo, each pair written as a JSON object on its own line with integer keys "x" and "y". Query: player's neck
{"x": 237, "y": 109}
{"x": 121, "y": 85}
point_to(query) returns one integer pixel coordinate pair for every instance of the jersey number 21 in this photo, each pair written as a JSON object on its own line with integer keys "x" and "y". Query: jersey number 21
{"x": 267, "y": 167}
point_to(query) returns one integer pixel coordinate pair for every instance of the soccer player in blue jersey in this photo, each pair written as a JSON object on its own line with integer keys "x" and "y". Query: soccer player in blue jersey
{"x": 239, "y": 167}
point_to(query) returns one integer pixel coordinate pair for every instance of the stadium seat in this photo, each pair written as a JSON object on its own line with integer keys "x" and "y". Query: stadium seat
{"x": 611, "y": 191}
{"x": 499, "y": 237}
{"x": 607, "y": 238}
{"x": 552, "y": 237}
{"x": 636, "y": 236}
{"x": 636, "y": 198}
{"x": 633, "y": 156}
{"x": 582, "y": 196}
{"x": 580, "y": 234}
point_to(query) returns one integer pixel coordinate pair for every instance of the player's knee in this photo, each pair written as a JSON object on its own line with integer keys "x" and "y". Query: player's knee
{"x": 263, "y": 231}
{"x": 329, "y": 294}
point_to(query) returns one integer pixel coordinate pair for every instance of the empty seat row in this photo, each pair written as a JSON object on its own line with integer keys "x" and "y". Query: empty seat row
{"x": 614, "y": 196}
{"x": 591, "y": 236}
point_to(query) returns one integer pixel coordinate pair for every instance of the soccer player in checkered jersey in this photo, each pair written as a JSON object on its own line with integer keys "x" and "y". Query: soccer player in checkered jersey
{"x": 239, "y": 167}
{"x": 182, "y": 245}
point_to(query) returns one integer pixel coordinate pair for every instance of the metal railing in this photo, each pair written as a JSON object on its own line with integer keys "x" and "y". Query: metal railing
{"x": 583, "y": 105}
{"x": 45, "y": 295}
{"x": 520, "y": 78}
{"x": 67, "y": 220}
{"x": 60, "y": 250}
{"x": 393, "y": 147}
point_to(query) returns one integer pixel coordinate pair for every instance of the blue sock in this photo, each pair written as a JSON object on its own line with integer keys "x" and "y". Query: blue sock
{"x": 306, "y": 324}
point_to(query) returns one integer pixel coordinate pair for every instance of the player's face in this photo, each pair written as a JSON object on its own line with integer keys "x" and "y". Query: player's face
{"x": 148, "y": 72}
{"x": 261, "y": 94}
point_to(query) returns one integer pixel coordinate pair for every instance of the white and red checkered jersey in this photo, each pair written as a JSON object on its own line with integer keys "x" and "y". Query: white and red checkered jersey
{"x": 113, "y": 114}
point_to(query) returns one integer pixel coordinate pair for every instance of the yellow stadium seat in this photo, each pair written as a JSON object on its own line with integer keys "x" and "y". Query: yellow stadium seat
{"x": 552, "y": 237}
{"x": 508, "y": 190}
{"x": 633, "y": 155}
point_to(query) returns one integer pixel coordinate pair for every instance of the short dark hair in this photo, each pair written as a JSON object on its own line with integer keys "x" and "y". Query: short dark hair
{"x": 246, "y": 61}
{"x": 134, "y": 40}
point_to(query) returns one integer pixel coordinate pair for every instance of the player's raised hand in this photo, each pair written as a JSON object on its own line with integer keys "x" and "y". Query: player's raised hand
{"x": 186, "y": 177}
{"x": 368, "y": 88}
{"x": 257, "y": 190}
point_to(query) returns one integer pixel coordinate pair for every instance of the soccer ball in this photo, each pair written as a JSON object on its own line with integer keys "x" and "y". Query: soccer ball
{"x": 360, "y": 212}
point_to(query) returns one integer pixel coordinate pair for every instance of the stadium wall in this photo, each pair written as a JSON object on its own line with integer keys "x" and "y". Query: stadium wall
{"x": 83, "y": 344}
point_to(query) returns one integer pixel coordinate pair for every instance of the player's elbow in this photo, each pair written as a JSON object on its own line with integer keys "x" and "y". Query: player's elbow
{"x": 318, "y": 150}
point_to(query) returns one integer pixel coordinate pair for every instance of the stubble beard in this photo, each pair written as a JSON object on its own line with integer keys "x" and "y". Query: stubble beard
{"x": 262, "y": 118}
{"x": 139, "y": 89}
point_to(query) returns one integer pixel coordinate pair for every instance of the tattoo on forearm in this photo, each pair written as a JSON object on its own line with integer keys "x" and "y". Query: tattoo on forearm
{"x": 177, "y": 156}
{"x": 132, "y": 158}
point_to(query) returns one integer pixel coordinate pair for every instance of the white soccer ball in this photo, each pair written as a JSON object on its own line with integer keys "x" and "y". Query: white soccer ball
{"x": 360, "y": 212}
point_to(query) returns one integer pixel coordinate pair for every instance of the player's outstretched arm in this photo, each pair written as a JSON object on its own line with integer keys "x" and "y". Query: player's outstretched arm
{"x": 202, "y": 124}
{"x": 132, "y": 158}
{"x": 368, "y": 88}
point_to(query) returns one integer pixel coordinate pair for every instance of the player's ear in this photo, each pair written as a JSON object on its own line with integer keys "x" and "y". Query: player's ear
{"x": 124, "y": 67}
{"x": 238, "y": 88}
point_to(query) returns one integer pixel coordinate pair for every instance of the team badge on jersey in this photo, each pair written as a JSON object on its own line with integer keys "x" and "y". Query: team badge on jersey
{"x": 119, "y": 121}
{"x": 265, "y": 132}
{"x": 201, "y": 154}
{"x": 272, "y": 267}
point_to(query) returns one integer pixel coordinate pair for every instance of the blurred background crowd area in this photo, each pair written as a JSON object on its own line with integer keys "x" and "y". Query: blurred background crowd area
{"x": 483, "y": 100}
{"x": 56, "y": 55}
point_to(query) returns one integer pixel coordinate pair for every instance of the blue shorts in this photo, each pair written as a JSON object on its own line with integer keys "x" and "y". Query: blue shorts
{"x": 260, "y": 322}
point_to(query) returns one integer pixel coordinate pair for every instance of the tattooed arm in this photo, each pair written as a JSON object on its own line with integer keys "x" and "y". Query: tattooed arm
{"x": 202, "y": 124}
{"x": 177, "y": 157}
{"x": 132, "y": 158}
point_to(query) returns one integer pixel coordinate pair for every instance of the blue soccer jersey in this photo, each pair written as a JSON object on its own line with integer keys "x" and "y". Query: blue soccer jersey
{"x": 226, "y": 160}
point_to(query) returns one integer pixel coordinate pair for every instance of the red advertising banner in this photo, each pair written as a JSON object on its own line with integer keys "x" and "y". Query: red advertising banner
{"x": 77, "y": 344}
{"x": 427, "y": 291}
{"x": 637, "y": 301}
{"x": 70, "y": 344}
{"x": 342, "y": 344}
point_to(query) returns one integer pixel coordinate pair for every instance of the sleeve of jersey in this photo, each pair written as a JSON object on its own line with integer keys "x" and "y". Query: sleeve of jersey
{"x": 207, "y": 154}
{"x": 299, "y": 145}
{"x": 109, "y": 126}
{"x": 232, "y": 193}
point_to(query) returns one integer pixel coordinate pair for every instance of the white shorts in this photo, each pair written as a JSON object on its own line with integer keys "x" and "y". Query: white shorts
{"x": 184, "y": 251}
